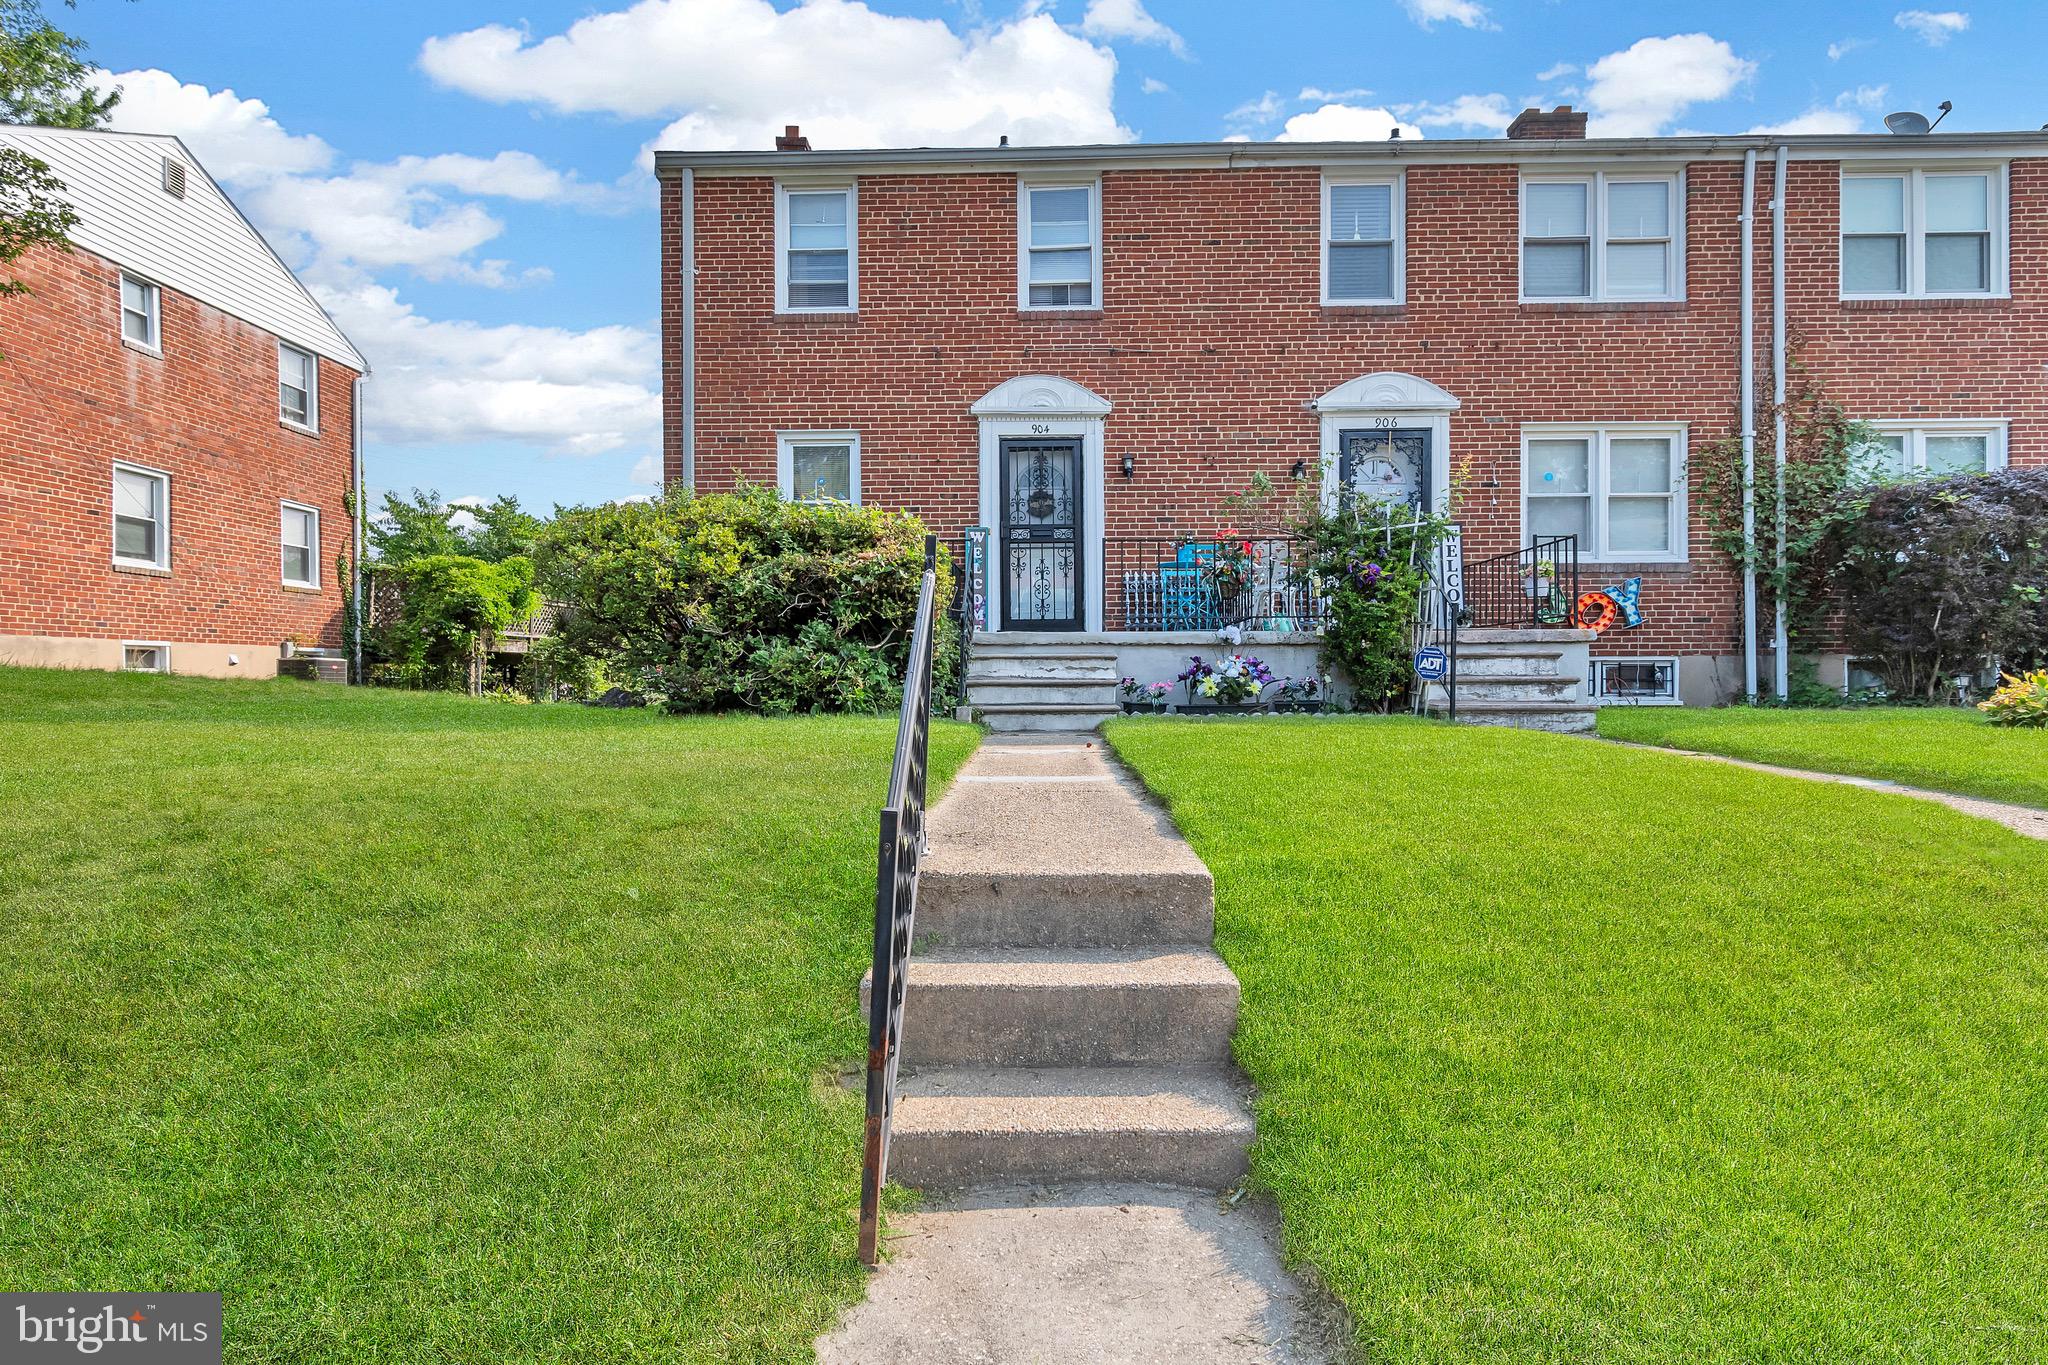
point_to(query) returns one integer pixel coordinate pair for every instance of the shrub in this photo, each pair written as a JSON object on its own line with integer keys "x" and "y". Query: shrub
{"x": 451, "y": 604}
{"x": 743, "y": 600}
{"x": 2022, "y": 700}
{"x": 1371, "y": 559}
{"x": 1937, "y": 575}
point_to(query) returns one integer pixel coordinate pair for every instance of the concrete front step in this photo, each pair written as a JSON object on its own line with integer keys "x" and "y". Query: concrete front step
{"x": 1487, "y": 661}
{"x": 1544, "y": 636}
{"x": 1013, "y": 717}
{"x": 1009, "y": 663}
{"x": 1032, "y": 1007}
{"x": 956, "y": 1126}
{"x": 1564, "y": 718}
{"x": 1097, "y": 692}
{"x": 1550, "y": 687}
{"x": 1064, "y": 909}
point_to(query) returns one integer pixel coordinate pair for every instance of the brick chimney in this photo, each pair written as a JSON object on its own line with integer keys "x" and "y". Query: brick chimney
{"x": 793, "y": 140}
{"x": 1561, "y": 122}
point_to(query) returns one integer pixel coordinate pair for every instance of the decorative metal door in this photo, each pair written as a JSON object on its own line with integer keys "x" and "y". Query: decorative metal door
{"x": 1041, "y": 542}
{"x": 1391, "y": 464}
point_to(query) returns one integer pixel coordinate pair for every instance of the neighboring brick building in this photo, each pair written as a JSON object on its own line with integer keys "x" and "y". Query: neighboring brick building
{"x": 177, "y": 429}
{"x": 1536, "y": 331}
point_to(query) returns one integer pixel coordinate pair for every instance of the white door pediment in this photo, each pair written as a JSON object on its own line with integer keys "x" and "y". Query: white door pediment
{"x": 1387, "y": 391}
{"x": 1030, "y": 394}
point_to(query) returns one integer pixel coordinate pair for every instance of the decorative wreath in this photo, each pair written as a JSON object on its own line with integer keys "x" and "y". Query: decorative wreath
{"x": 1596, "y": 610}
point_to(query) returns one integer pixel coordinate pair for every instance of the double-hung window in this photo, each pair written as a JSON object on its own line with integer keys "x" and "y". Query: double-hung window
{"x": 1923, "y": 234}
{"x": 1898, "y": 450}
{"x": 1362, "y": 241}
{"x": 299, "y": 544}
{"x": 817, "y": 249}
{"x": 298, "y": 387}
{"x": 1059, "y": 228}
{"x": 141, "y": 314}
{"x": 142, "y": 517}
{"x": 1620, "y": 489}
{"x": 819, "y": 466}
{"x": 1603, "y": 236}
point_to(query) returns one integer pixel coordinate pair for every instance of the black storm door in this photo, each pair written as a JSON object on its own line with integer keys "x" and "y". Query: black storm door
{"x": 1041, "y": 541}
{"x": 1391, "y": 464}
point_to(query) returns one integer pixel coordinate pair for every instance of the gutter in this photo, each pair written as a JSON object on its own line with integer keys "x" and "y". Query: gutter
{"x": 1781, "y": 668}
{"x": 1746, "y": 397}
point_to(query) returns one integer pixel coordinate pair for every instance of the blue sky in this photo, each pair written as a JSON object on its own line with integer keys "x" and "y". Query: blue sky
{"x": 465, "y": 184}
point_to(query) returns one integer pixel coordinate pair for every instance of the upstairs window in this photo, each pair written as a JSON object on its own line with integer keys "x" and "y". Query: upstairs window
{"x": 1600, "y": 237}
{"x": 298, "y": 387}
{"x": 141, "y": 314}
{"x": 1619, "y": 489}
{"x": 299, "y": 541}
{"x": 1058, "y": 265}
{"x": 142, "y": 517}
{"x": 816, "y": 252}
{"x": 1922, "y": 234}
{"x": 1899, "y": 450}
{"x": 1362, "y": 241}
{"x": 819, "y": 466}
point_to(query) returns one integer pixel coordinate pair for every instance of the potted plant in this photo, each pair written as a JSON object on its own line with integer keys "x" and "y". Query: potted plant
{"x": 1233, "y": 565}
{"x": 1233, "y": 683}
{"x": 1142, "y": 697}
{"x": 1298, "y": 695}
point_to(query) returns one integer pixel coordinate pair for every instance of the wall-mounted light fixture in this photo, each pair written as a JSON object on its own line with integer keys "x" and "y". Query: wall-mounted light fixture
{"x": 1300, "y": 470}
{"x": 1130, "y": 465}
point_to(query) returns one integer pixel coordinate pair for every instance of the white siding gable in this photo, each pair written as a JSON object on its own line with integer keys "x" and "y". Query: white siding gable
{"x": 199, "y": 245}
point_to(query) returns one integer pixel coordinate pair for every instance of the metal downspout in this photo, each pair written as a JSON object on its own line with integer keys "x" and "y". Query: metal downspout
{"x": 355, "y": 425}
{"x": 688, "y": 378}
{"x": 1747, "y": 398}
{"x": 1780, "y": 635}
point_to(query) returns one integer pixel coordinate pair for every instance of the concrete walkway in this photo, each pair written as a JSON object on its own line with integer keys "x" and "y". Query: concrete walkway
{"x": 2028, "y": 820}
{"x": 1067, "y": 1101}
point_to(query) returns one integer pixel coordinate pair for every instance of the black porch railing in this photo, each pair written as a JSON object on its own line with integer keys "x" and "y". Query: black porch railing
{"x": 902, "y": 844}
{"x": 1191, "y": 582}
{"x": 1533, "y": 587}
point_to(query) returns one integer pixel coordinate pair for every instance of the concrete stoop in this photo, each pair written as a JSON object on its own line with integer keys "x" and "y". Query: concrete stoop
{"x": 1528, "y": 679}
{"x": 1065, "y": 1018}
{"x": 1018, "y": 684}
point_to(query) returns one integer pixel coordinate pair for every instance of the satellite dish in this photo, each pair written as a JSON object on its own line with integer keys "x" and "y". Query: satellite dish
{"x": 1907, "y": 123}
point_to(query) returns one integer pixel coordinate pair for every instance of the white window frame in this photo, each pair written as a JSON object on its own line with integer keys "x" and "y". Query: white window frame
{"x": 312, "y": 551}
{"x": 1916, "y": 430}
{"x": 1399, "y": 276}
{"x": 786, "y": 443}
{"x": 1601, "y": 436}
{"x": 1998, "y": 176}
{"x": 162, "y": 562}
{"x": 1597, "y": 238}
{"x": 849, "y": 188}
{"x": 153, "y": 295}
{"x": 163, "y": 655}
{"x": 1025, "y": 187}
{"x": 1600, "y": 697}
{"x": 311, "y": 426}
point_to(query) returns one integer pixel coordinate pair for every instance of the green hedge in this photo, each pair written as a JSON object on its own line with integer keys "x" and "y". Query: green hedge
{"x": 741, "y": 600}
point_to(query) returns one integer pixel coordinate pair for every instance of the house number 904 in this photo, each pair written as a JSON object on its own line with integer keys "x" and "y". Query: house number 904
{"x": 1040, "y": 429}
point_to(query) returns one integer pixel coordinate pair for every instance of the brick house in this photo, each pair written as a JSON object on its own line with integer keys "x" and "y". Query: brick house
{"x": 1534, "y": 332}
{"x": 177, "y": 429}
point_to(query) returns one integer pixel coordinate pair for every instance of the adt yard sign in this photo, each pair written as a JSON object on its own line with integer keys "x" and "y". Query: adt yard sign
{"x": 1431, "y": 664}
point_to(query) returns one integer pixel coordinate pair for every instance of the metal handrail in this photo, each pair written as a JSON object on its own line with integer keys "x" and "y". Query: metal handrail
{"x": 1537, "y": 586}
{"x": 902, "y": 845}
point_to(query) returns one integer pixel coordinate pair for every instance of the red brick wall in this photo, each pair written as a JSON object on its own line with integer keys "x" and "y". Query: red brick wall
{"x": 73, "y": 400}
{"x": 1213, "y": 339}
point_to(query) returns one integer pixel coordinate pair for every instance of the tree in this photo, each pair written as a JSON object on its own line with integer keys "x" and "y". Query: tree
{"x": 44, "y": 78}
{"x": 502, "y": 530}
{"x": 423, "y": 525}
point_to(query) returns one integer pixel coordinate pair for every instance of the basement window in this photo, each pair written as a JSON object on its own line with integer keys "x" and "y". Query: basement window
{"x": 139, "y": 658}
{"x": 1635, "y": 682}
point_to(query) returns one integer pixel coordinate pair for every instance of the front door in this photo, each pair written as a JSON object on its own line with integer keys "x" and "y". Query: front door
{"x": 1391, "y": 464}
{"x": 1041, "y": 541}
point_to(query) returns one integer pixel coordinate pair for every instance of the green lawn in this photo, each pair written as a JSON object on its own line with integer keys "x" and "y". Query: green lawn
{"x": 435, "y": 1030}
{"x": 1572, "y": 1052}
{"x": 1946, "y": 749}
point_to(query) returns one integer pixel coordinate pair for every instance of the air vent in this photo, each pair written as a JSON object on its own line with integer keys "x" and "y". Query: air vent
{"x": 174, "y": 178}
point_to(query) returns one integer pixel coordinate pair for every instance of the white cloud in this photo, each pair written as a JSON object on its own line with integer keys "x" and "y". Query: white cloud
{"x": 1932, "y": 27}
{"x": 1264, "y": 109}
{"x": 234, "y": 138}
{"x": 508, "y": 175}
{"x": 563, "y": 391}
{"x": 1813, "y": 121}
{"x": 1837, "y": 51}
{"x": 1316, "y": 95}
{"x": 732, "y": 72}
{"x": 1129, "y": 19}
{"x": 647, "y": 471}
{"x": 1488, "y": 112}
{"x": 1152, "y": 86}
{"x": 1557, "y": 72}
{"x": 1467, "y": 12}
{"x": 1638, "y": 91}
{"x": 1863, "y": 97}
{"x": 1344, "y": 123}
